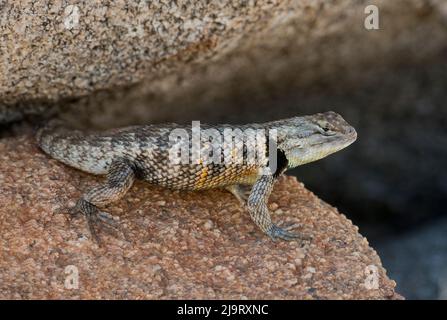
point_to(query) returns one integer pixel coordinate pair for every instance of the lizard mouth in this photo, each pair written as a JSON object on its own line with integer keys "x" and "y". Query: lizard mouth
{"x": 320, "y": 149}
{"x": 352, "y": 134}
{"x": 336, "y": 139}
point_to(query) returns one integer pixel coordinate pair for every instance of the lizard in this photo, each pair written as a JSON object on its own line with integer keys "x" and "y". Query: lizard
{"x": 142, "y": 152}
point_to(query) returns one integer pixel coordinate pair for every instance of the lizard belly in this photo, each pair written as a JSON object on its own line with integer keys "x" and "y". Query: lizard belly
{"x": 198, "y": 177}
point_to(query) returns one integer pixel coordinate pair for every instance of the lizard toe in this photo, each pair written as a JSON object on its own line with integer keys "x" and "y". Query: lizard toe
{"x": 275, "y": 232}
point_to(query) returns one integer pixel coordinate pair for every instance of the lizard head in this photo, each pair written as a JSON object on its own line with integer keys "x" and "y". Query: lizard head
{"x": 310, "y": 138}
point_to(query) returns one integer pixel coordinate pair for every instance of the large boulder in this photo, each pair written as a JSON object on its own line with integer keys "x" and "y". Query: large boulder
{"x": 175, "y": 245}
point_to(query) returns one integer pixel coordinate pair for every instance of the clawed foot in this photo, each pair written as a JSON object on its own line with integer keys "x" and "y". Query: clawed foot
{"x": 100, "y": 220}
{"x": 96, "y": 219}
{"x": 276, "y": 232}
{"x": 69, "y": 212}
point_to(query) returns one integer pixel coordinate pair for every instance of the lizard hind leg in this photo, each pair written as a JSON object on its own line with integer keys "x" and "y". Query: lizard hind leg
{"x": 120, "y": 178}
{"x": 241, "y": 192}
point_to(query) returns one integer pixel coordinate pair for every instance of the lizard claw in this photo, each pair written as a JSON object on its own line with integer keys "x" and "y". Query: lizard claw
{"x": 107, "y": 219}
{"x": 96, "y": 219}
{"x": 69, "y": 212}
{"x": 103, "y": 221}
{"x": 276, "y": 232}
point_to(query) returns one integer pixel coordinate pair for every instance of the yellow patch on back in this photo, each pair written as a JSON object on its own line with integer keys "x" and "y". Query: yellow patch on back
{"x": 203, "y": 176}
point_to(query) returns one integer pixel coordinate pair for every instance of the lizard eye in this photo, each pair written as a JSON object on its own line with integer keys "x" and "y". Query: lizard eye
{"x": 324, "y": 129}
{"x": 323, "y": 126}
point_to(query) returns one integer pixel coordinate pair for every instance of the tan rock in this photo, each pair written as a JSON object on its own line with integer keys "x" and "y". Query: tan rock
{"x": 171, "y": 249}
{"x": 163, "y": 58}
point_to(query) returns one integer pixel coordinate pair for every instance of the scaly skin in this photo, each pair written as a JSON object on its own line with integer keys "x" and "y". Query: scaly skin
{"x": 143, "y": 152}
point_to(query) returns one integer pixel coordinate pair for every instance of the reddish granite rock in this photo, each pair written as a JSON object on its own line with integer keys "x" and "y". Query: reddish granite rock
{"x": 177, "y": 244}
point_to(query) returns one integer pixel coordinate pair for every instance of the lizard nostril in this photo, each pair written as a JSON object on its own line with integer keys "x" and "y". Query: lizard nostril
{"x": 351, "y": 131}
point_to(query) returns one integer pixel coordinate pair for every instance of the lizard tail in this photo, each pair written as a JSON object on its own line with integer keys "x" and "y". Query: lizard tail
{"x": 73, "y": 147}
{"x": 51, "y": 134}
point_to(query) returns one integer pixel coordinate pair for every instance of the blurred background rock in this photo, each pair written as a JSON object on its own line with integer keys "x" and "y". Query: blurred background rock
{"x": 108, "y": 64}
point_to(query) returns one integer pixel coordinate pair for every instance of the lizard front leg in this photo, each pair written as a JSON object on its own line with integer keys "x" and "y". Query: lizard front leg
{"x": 257, "y": 207}
{"x": 120, "y": 178}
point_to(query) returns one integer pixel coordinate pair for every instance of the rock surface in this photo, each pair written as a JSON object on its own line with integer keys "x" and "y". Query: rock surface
{"x": 178, "y": 244}
{"x": 179, "y": 57}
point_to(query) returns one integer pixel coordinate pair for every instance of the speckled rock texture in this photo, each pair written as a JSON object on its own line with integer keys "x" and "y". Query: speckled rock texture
{"x": 176, "y": 244}
{"x": 161, "y": 58}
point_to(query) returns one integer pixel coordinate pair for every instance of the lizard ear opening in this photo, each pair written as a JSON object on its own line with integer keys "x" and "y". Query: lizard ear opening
{"x": 281, "y": 163}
